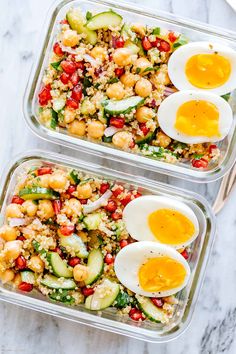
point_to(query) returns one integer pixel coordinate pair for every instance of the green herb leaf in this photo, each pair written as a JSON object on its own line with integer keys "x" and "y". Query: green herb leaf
{"x": 88, "y": 15}
{"x": 113, "y": 80}
{"x": 97, "y": 85}
{"x": 150, "y": 68}
{"x": 226, "y": 96}
{"x": 137, "y": 71}
{"x": 54, "y": 120}
{"x": 156, "y": 31}
{"x": 74, "y": 176}
{"x": 181, "y": 41}
{"x": 107, "y": 139}
{"x": 57, "y": 65}
{"x": 86, "y": 83}
{"x": 122, "y": 300}
{"x": 197, "y": 156}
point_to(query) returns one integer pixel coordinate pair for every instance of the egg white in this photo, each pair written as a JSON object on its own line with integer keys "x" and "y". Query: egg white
{"x": 169, "y": 107}
{"x": 178, "y": 60}
{"x": 136, "y": 213}
{"x": 130, "y": 258}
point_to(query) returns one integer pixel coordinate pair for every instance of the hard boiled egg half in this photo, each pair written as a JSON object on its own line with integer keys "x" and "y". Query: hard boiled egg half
{"x": 195, "y": 117}
{"x": 151, "y": 269}
{"x": 203, "y": 66}
{"x": 161, "y": 219}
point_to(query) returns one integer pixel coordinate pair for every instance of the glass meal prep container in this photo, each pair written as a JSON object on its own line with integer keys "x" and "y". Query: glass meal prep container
{"x": 108, "y": 319}
{"x": 193, "y": 30}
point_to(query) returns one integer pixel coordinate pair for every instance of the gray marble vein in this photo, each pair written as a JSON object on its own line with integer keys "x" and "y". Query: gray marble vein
{"x": 212, "y": 330}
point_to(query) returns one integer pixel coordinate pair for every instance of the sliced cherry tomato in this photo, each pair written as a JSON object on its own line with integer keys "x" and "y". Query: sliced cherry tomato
{"x": 65, "y": 78}
{"x": 71, "y": 189}
{"x": 73, "y": 261}
{"x": 143, "y": 127}
{"x": 117, "y": 122}
{"x": 118, "y": 42}
{"x": 161, "y": 44}
{"x": 109, "y": 259}
{"x": 118, "y": 190}
{"x": 146, "y": 43}
{"x": 44, "y": 95}
{"x": 80, "y": 65}
{"x": 104, "y": 187}
{"x": 70, "y": 102}
{"x": 68, "y": 66}
{"x": 77, "y": 92}
{"x": 200, "y": 163}
{"x": 57, "y": 49}
{"x": 212, "y": 148}
{"x": 44, "y": 171}
{"x": 119, "y": 71}
{"x": 185, "y": 254}
{"x": 57, "y": 204}
{"x": 116, "y": 215}
{"x": 172, "y": 36}
{"x": 123, "y": 243}
{"x": 17, "y": 200}
{"x": 127, "y": 199}
{"x": 111, "y": 206}
{"x": 74, "y": 78}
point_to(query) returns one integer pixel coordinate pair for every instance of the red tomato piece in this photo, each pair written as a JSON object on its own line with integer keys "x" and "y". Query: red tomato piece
{"x": 185, "y": 254}
{"x": 20, "y": 262}
{"x": 73, "y": 261}
{"x": 109, "y": 259}
{"x": 104, "y": 187}
{"x": 172, "y": 37}
{"x": 116, "y": 216}
{"x": 146, "y": 43}
{"x": 111, "y": 206}
{"x": 83, "y": 201}
{"x": 21, "y": 238}
{"x": 117, "y": 122}
{"x": 44, "y": 95}
{"x": 70, "y": 102}
{"x": 17, "y": 200}
{"x": 119, "y": 71}
{"x": 71, "y": 189}
{"x": 127, "y": 199}
{"x": 200, "y": 163}
{"x": 143, "y": 127}
{"x": 23, "y": 286}
{"x": 57, "y": 49}
{"x": 136, "y": 315}
{"x": 67, "y": 230}
{"x": 44, "y": 171}
{"x": 123, "y": 243}
{"x": 87, "y": 291}
{"x": 57, "y": 204}
{"x": 118, "y": 191}
{"x": 77, "y": 92}
{"x": 65, "y": 78}
{"x": 68, "y": 66}
{"x": 80, "y": 65}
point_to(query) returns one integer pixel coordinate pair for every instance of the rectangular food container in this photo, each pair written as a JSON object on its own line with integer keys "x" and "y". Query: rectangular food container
{"x": 193, "y": 30}
{"x": 109, "y": 320}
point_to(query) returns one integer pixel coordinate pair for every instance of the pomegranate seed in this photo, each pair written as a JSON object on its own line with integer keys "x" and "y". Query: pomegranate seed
{"x": 74, "y": 78}
{"x": 119, "y": 71}
{"x": 158, "y": 302}
{"x": 83, "y": 201}
{"x": 80, "y": 65}
{"x": 20, "y": 262}
{"x": 137, "y": 195}
{"x": 17, "y": 200}
{"x": 185, "y": 254}
{"x": 65, "y": 78}
{"x": 87, "y": 291}
{"x": 111, "y": 206}
{"x": 110, "y": 57}
{"x": 67, "y": 230}
{"x": 146, "y": 43}
{"x": 68, "y": 66}
{"x": 77, "y": 92}
{"x": 44, "y": 95}
{"x": 152, "y": 104}
{"x": 200, "y": 163}
{"x": 109, "y": 259}
{"x": 117, "y": 122}
{"x": 57, "y": 49}
{"x": 44, "y": 171}
{"x": 57, "y": 204}
{"x": 116, "y": 216}
{"x": 117, "y": 42}
{"x": 21, "y": 238}
{"x": 74, "y": 261}
{"x": 212, "y": 148}
{"x": 172, "y": 37}
{"x": 71, "y": 189}
{"x": 98, "y": 71}
{"x": 136, "y": 314}
{"x": 23, "y": 286}
{"x": 123, "y": 243}
{"x": 118, "y": 191}
{"x": 104, "y": 187}
{"x": 126, "y": 200}
{"x": 70, "y": 102}
{"x": 59, "y": 251}
{"x": 144, "y": 129}
{"x": 161, "y": 44}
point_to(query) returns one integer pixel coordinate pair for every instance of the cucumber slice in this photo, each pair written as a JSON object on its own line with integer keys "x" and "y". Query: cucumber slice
{"x": 58, "y": 104}
{"x": 95, "y": 239}
{"x": 134, "y": 49}
{"x": 62, "y": 296}
{"x": 58, "y": 283}
{"x": 92, "y": 221}
{"x": 122, "y": 106}
{"x": 74, "y": 243}
{"x": 104, "y": 20}
{"x": 27, "y": 276}
{"x": 74, "y": 176}
{"x": 95, "y": 266}
{"x": 145, "y": 139}
{"x": 76, "y": 22}
{"x": 99, "y": 301}
{"x": 152, "y": 312}
{"x": 59, "y": 267}
{"x": 35, "y": 193}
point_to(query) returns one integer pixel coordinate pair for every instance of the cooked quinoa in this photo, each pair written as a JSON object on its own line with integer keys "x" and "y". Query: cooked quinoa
{"x": 88, "y": 72}
{"x": 56, "y": 219}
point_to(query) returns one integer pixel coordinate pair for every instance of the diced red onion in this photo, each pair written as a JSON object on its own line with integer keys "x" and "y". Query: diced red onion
{"x": 16, "y": 222}
{"x": 89, "y": 208}
{"x": 111, "y": 131}
{"x": 169, "y": 91}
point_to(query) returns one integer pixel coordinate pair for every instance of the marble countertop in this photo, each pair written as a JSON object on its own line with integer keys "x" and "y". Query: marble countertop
{"x": 212, "y": 330}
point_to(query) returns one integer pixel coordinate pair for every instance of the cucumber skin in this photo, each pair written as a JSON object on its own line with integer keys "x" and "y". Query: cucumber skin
{"x": 146, "y": 139}
{"x": 52, "y": 278}
{"x": 89, "y": 299}
{"x": 91, "y": 36}
{"x": 102, "y": 15}
{"x": 119, "y": 111}
{"x": 68, "y": 272}
{"x": 36, "y": 193}
{"x": 140, "y": 306}
{"x": 92, "y": 281}
{"x": 25, "y": 274}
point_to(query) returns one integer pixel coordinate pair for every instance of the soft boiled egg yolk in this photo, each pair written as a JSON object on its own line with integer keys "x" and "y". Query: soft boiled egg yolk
{"x": 170, "y": 226}
{"x": 161, "y": 274}
{"x": 207, "y": 71}
{"x": 198, "y": 118}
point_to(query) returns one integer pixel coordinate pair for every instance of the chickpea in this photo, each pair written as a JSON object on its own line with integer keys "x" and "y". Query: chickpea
{"x": 116, "y": 91}
{"x": 139, "y": 29}
{"x": 99, "y": 53}
{"x": 8, "y": 233}
{"x": 36, "y": 264}
{"x": 58, "y": 181}
{"x": 70, "y": 38}
{"x": 128, "y": 79}
{"x": 142, "y": 64}
{"x": 143, "y": 114}
{"x": 45, "y": 209}
{"x": 143, "y": 87}
{"x": 80, "y": 272}
{"x": 7, "y": 276}
{"x": 77, "y": 127}
{"x": 95, "y": 129}
{"x": 69, "y": 115}
{"x": 12, "y": 250}
{"x": 160, "y": 78}
{"x": 17, "y": 280}
{"x": 30, "y": 208}
{"x": 14, "y": 211}
{"x": 122, "y": 56}
{"x": 163, "y": 139}
{"x": 43, "y": 181}
{"x": 73, "y": 207}
{"x": 122, "y": 139}
{"x": 84, "y": 191}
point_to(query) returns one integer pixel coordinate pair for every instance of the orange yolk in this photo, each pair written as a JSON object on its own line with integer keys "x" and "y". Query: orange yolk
{"x": 161, "y": 274}
{"x": 207, "y": 71}
{"x": 198, "y": 118}
{"x": 170, "y": 226}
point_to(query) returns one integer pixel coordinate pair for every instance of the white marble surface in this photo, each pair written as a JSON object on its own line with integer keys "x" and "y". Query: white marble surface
{"x": 22, "y": 331}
